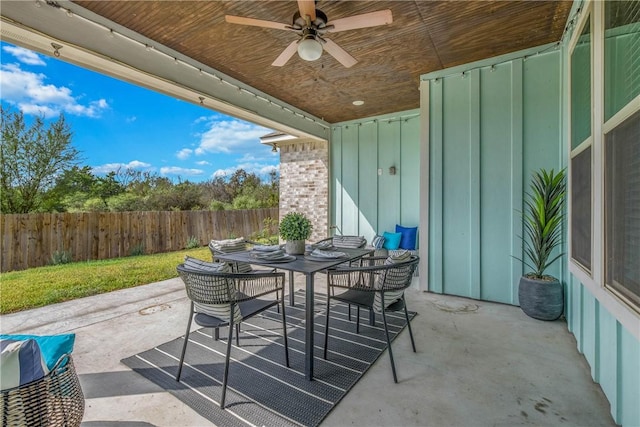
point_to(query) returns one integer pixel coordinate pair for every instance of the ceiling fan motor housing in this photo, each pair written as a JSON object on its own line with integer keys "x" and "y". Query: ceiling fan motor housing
{"x": 317, "y": 24}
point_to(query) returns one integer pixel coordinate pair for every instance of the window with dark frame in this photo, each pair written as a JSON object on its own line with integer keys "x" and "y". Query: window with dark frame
{"x": 622, "y": 208}
{"x": 580, "y": 172}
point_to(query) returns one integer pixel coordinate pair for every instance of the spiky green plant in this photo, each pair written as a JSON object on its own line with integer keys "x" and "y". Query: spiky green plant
{"x": 543, "y": 217}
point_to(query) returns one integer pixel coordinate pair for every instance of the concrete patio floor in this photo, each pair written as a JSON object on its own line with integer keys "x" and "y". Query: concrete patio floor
{"x": 478, "y": 364}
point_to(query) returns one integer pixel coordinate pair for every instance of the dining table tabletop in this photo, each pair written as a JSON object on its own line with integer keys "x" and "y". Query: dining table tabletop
{"x": 308, "y": 265}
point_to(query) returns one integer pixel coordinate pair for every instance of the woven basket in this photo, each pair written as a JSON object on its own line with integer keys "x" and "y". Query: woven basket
{"x": 54, "y": 400}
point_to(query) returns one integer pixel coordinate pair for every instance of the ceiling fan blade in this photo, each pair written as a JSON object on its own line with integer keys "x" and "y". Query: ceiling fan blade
{"x": 339, "y": 53}
{"x": 307, "y": 7}
{"x": 286, "y": 54}
{"x": 255, "y": 22}
{"x": 365, "y": 20}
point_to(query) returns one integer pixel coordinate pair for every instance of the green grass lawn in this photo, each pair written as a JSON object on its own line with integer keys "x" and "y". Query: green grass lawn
{"x": 37, "y": 287}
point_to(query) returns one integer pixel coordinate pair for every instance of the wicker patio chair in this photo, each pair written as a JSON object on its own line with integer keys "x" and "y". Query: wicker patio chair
{"x": 225, "y": 247}
{"x": 378, "y": 286}
{"x": 53, "y": 400}
{"x": 216, "y": 301}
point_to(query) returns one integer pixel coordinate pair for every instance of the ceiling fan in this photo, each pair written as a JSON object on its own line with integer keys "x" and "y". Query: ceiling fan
{"x": 311, "y": 25}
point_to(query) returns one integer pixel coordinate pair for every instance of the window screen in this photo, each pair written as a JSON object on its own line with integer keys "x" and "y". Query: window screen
{"x": 622, "y": 208}
{"x": 581, "y": 208}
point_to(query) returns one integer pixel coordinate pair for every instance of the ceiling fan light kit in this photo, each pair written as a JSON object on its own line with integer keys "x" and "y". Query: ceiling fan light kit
{"x": 309, "y": 49}
{"x": 311, "y": 25}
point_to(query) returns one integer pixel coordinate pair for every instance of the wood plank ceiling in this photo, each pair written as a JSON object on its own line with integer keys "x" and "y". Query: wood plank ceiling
{"x": 425, "y": 36}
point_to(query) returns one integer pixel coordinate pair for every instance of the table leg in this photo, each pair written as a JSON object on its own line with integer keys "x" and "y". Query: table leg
{"x": 308, "y": 342}
{"x": 292, "y": 298}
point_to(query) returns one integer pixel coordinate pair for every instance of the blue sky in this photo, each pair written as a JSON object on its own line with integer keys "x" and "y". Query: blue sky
{"x": 119, "y": 125}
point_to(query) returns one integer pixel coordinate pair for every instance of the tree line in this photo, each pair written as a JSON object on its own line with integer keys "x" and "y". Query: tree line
{"x": 41, "y": 171}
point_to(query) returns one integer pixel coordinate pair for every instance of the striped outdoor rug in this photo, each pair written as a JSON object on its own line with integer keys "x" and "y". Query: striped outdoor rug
{"x": 261, "y": 390}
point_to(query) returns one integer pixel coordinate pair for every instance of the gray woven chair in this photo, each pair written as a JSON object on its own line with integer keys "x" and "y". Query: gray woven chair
{"x": 374, "y": 286}
{"x": 346, "y": 241}
{"x": 225, "y": 247}
{"x": 226, "y": 299}
{"x": 54, "y": 400}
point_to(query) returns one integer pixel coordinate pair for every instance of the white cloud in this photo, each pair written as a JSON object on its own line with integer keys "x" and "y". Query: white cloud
{"x": 174, "y": 170}
{"x": 259, "y": 169}
{"x": 24, "y": 55}
{"x": 229, "y": 136}
{"x": 185, "y": 153}
{"x": 113, "y": 167}
{"x": 203, "y": 163}
{"x": 32, "y": 95}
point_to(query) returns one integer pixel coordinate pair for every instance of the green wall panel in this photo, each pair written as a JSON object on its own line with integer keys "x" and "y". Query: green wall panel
{"x": 350, "y": 181}
{"x": 629, "y": 379}
{"x": 456, "y": 194}
{"x": 490, "y": 128}
{"x": 496, "y": 212}
{"x": 389, "y": 185}
{"x": 335, "y": 185}
{"x": 368, "y": 188}
{"x": 436, "y": 136}
{"x": 410, "y": 171}
{"x": 590, "y": 330}
{"x": 364, "y": 202}
{"x": 607, "y": 366}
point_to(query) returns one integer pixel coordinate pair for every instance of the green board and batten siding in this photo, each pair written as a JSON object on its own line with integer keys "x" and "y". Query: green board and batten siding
{"x": 489, "y": 130}
{"x": 364, "y": 202}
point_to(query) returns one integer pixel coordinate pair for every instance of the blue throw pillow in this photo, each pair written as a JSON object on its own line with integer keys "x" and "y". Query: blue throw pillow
{"x": 51, "y": 346}
{"x": 21, "y": 362}
{"x": 409, "y": 234}
{"x": 377, "y": 242}
{"x": 391, "y": 240}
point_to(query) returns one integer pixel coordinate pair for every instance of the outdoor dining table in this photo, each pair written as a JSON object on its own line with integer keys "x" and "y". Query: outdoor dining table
{"x": 308, "y": 267}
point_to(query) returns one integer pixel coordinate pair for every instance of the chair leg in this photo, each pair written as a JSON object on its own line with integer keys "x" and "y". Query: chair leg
{"x": 184, "y": 346}
{"x": 216, "y": 334}
{"x": 284, "y": 331}
{"x": 326, "y": 327}
{"x": 226, "y": 361}
{"x": 357, "y": 319}
{"x": 406, "y": 315}
{"x": 238, "y": 334}
{"x": 386, "y": 333}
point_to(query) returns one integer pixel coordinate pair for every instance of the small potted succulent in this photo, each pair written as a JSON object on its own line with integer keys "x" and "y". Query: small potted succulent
{"x": 541, "y": 296}
{"x": 294, "y": 229}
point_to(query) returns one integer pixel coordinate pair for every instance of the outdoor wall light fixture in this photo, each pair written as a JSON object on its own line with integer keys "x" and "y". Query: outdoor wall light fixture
{"x": 392, "y": 170}
{"x": 56, "y": 49}
{"x": 274, "y": 148}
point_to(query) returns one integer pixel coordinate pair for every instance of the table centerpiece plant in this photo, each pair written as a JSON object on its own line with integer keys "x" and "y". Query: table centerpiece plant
{"x": 294, "y": 229}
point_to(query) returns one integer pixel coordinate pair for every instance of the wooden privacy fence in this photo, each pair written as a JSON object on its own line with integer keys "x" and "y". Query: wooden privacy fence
{"x": 29, "y": 240}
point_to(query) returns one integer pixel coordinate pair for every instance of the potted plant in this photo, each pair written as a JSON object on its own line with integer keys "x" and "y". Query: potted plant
{"x": 541, "y": 296}
{"x": 294, "y": 229}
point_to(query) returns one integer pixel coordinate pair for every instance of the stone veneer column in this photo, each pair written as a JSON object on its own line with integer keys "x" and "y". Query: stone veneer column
{"x": 304, "y": 183}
